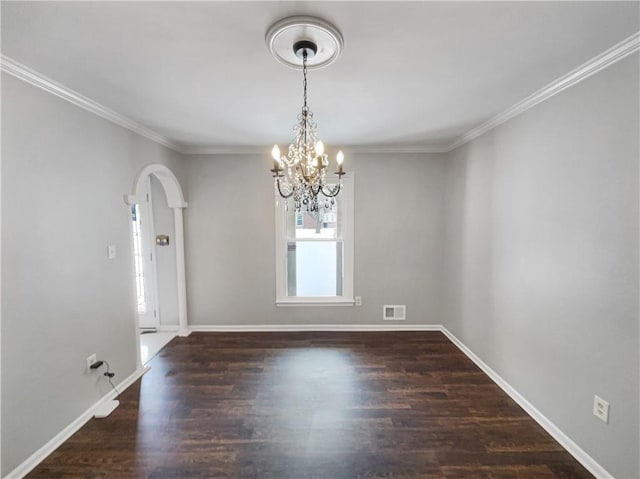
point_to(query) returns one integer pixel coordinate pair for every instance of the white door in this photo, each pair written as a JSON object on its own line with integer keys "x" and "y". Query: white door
{"x": 144, "y": 261}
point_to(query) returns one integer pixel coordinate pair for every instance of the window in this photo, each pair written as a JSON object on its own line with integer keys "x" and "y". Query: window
{"x": 314, "y": 251}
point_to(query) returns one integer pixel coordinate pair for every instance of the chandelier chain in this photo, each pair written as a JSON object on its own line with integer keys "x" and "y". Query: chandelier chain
{"x": 305, "y": 108}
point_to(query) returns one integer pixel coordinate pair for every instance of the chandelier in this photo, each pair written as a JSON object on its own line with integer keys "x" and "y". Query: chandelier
{"x": 301, "y": 172}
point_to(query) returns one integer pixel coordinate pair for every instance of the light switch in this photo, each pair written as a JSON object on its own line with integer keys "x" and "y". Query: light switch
{"x": 111, "y": 251}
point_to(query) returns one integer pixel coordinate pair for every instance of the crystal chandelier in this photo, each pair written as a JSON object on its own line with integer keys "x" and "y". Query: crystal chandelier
{"x": 301, "y": 172}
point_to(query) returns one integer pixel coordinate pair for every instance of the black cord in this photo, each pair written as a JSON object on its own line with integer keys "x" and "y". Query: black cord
{"x": 109, "y": 375}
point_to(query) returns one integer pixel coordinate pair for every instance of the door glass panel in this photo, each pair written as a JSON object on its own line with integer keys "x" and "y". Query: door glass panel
{"x": 138, "y": 259}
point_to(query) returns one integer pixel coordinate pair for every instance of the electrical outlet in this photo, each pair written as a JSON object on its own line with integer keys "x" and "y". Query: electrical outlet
{"x": 90, "y": 360}
{"x": 358, "y": 300}
{"x": 601, "y": 409}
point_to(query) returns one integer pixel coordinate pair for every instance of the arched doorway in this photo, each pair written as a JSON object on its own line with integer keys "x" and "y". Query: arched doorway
{"x": 175, "y": 200}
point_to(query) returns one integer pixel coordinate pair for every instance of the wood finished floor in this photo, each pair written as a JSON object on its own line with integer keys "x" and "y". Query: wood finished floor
{"x": 313, "y": 405}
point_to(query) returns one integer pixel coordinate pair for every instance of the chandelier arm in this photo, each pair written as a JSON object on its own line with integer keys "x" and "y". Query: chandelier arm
{"x": 280, "y": 190}
{"x": 318, "y": 188}
{"x": 332, "y": 192}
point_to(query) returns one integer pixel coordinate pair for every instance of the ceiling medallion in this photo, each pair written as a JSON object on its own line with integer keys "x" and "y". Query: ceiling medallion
{"x": 284, "y": 33}
{"x": 301, "y": 172}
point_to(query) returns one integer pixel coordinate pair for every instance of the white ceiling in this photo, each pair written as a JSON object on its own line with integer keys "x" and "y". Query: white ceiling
{"x": 414, "y": 73}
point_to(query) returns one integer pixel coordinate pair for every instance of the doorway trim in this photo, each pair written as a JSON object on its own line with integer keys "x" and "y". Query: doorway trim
{"x": 175, "y": 200}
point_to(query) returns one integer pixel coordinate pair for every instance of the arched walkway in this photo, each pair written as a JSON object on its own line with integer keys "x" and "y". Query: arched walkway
{"x": 175, "y": 200}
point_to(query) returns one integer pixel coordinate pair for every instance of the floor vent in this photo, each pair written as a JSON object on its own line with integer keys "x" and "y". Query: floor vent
{"x": 394, "y": 312}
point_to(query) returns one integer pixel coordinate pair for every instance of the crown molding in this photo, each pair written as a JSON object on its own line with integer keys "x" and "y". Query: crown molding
{"x": 599, "y": 62}
{"x": 355, "y": 149}
{"x": 605, "y": 59}
{"x": 34, "y": 78}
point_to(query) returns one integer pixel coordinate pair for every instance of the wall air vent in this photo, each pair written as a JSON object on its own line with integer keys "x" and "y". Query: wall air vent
{"x": 394, "y": 312}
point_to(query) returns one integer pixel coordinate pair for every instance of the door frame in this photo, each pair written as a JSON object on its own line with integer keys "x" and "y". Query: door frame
{"x": 175, "y": 200}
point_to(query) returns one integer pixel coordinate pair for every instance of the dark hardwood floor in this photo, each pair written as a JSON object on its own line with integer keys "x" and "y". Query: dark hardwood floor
{"x": 313, "y": 405}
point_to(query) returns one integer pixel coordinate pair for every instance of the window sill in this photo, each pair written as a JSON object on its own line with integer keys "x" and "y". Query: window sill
{"x": 286, "y": 303}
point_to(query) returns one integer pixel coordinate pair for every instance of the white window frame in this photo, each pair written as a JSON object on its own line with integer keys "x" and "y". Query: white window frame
{"x": 346, "y": 299}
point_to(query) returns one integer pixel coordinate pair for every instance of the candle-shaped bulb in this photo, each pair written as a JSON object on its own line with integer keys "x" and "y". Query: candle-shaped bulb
{"x": 319, "y": 148}
{"x": 340, "y": 158}
{"x": 275, "y": 153}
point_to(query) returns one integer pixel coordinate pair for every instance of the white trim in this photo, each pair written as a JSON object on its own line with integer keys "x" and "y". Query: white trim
{"x": 36, "y": 79}
{"x": 599, "y": 62}
{"x": 171, "y": 185}
{"x": 565, "y": 441}
{"x": 348, "y": 235}
{"x": 275, "y": 328}
{"x": 306, "y": 302}
{"x": 593, "y": 66}
{"x": 171, "y": 328}
{"x": 26, "y": 74}
{"x": 178, "y": 220}
{"x": 41, "y": 454}
{"x": 348, "y": 149}
{"x": 175, "y": 200}
{"x": 0, "y": 285}
{"x": 348, "y": 199}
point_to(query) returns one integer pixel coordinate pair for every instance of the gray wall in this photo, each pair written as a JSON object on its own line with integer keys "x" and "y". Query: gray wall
{"x": 542, "y": 258}
{"x": 163, "y": 222}
{"x": 64, "y": 173}
{"x": 230, "y": 241}
{"x": 523, "y": 242}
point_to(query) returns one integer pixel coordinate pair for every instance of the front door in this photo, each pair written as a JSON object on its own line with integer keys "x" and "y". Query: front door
{"x": 143, "y": 255}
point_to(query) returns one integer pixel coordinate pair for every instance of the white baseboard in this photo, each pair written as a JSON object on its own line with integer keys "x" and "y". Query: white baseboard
{"x": 565, "y": 441}
{"x": 174, "y": 328}
{"x": 40, "y": 455}
{"x": 168, "y": 328}
{"x": 576, "y": 451}
{"x": 183, "y": 333}
{"x": 275, "y": 328}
